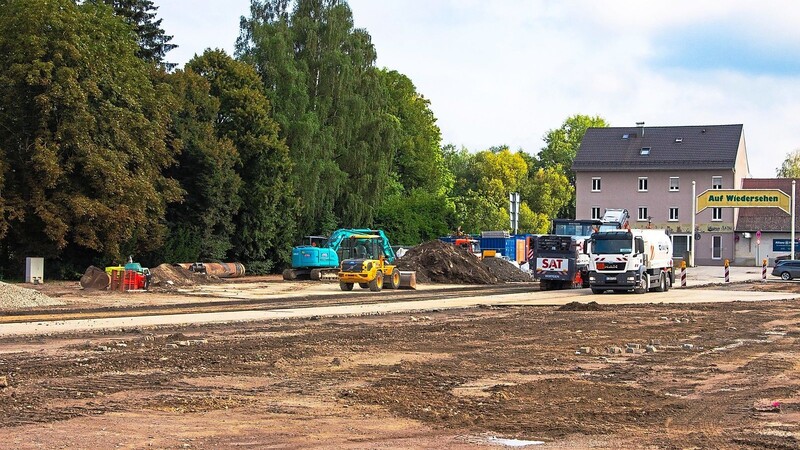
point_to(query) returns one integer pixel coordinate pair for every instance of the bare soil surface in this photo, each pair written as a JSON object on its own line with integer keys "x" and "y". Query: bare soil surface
{"x": 722, "y": 375}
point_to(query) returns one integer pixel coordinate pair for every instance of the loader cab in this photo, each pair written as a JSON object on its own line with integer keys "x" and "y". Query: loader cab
{"x": 361, "y": 247}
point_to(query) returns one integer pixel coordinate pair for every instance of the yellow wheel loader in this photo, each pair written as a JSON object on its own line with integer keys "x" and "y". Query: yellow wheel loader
{"x": 366, "y": 264}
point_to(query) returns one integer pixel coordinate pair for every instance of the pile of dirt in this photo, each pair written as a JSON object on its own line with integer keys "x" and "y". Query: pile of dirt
{"x": 578, "y": 306}
{"x": 506, "y": 271}
{"x": 16, "y": 297}
{"x": 167, "y": 276}
{"x": 439, "y": 262}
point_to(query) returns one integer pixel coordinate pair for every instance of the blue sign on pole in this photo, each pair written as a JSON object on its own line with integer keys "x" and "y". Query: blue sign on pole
{"x": 784, "y": 245}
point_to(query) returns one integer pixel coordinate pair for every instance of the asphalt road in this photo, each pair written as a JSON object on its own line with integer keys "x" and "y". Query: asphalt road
{"x": 533, "y": 298}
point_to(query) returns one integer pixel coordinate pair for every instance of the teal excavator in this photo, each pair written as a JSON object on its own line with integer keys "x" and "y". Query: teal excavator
{"x": 319, "y": 258}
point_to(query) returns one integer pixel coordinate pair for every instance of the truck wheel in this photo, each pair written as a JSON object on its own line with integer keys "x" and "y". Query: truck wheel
{"x": 289, "y": 275}
{"x": 377, "y": 283}
{"x": 597, "y": 291}
{"x": 643, "y": 285}
{"x": 363, "y": 285}
{"x": 345, "y": 286}
{"x": 667, "y": 282}
{"x": 662, "y": 283}
{"x": 544, "y": 285}
{"x": 395, "y": 279}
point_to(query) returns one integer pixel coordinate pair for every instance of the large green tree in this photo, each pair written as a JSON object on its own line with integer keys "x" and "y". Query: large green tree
{"x": 265, "y": 222}
{"x": 561, "y": 146}
{"x": 202, "y": 225}
{"x": 333, "y": 110}
{"x": 154, "y": 43}
{"x": 82, "y": 135}
{"x": 418, "y": 162}
{"x": 790, "y": 168}
{"x": 562, "y": 143}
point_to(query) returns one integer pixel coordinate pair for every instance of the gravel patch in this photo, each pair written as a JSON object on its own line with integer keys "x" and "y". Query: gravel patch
{"x": 16, "y": 297}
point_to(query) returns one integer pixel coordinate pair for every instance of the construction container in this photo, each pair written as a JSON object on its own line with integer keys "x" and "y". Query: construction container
{"x": 497, "y": 244}
{"x": 521, "y": 250}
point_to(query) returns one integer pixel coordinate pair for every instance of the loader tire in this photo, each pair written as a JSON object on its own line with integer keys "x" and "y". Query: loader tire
{"x": 395, "y": 279}
{"x": 377, "y": 283}
{"x": 363, "y": 285}
{"x": 345, "y": 286}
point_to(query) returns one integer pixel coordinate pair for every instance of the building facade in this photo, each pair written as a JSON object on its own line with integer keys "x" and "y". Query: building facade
{"x": 650, "y": 171}
{"x": 765, "y": 233}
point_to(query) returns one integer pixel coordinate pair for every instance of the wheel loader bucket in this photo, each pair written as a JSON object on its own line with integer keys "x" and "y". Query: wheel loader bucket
{"x": 408, "y": 279}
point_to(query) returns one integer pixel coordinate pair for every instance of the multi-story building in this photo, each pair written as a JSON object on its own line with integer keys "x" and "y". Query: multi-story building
{"x": 650, "y": 172}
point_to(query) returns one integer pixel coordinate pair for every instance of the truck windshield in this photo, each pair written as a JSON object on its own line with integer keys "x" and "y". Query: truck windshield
{"x": 573, "y": 229}
{"x": 612, "y": 246}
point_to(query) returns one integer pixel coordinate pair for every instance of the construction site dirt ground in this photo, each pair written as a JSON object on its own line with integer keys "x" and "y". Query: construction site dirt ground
{"x": 723, "y": 375}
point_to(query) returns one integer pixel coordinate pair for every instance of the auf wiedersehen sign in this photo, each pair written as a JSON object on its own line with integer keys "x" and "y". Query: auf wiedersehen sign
{"x": 744, "y": 198}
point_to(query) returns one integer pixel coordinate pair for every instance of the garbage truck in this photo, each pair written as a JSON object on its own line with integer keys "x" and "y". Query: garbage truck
{"x": 630, "y": 260}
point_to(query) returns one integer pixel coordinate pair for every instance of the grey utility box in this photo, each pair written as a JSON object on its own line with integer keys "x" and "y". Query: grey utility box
{"x": 34, "y": 270}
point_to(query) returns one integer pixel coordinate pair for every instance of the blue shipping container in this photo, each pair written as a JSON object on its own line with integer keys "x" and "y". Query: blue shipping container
{"x": 505, "y": 246}
{"x": 511, "y": 249}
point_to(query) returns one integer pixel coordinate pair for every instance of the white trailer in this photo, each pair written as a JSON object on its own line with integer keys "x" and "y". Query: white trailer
{"x": 630, "y": 260}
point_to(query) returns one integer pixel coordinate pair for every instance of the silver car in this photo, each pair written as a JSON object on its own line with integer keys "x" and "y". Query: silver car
{"x": 787, "y": 269}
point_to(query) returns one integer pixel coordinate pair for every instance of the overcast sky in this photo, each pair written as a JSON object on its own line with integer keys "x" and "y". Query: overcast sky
{"x": 503, "y": 72}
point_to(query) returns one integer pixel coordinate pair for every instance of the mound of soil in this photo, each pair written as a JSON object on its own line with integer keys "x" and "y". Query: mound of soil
{"x": 167, "y": 276}
{"x": 439, "y": 262}
{"x": 578, "y": 306}
{"x": 505, "y": 271}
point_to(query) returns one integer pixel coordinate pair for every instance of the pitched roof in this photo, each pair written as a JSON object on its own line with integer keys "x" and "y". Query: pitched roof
{"x": 705, "y": 147}
{"x": 769, "y": 219}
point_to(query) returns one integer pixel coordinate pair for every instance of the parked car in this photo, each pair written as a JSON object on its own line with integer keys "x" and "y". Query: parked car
{"x": 787, "y": 269}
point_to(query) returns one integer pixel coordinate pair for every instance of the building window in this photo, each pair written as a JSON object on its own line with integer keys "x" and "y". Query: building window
{"x": 642, "y": 184}
{"x": 596, "y": 184}
{"x": 642, "y": 214}
{"x": 645, "y": 151}
{"x": 596, "y": 213}
{"x": 716, "y": 214}
{"x": 716, "y": 247}
{"x": 716, "y": 182}
{"x": 673, "y": 214}
{"x": 674, "y": 184}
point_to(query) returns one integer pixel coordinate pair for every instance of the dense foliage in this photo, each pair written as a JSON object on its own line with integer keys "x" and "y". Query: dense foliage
{"x": 106, "y": 152}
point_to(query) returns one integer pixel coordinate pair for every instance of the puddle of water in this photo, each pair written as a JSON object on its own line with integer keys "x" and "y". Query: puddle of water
{"x": 513, "y": 442}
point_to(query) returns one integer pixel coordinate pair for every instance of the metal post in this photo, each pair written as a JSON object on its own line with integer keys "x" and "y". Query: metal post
{"x": 727, "y": 272}
{"x": 764, "y": 271}
{"x": 683, "y": 273}
{"x": 793, "y": 194}
{"x": 694, "y": 223}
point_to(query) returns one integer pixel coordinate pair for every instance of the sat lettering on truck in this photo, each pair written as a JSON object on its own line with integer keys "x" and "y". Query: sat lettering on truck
{"x": 551, "y": 264}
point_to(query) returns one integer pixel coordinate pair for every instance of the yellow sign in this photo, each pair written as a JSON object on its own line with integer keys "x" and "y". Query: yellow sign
{"x": 744, "y": 198}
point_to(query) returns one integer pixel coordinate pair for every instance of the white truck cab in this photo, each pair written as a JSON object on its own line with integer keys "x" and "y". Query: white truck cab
{"x": 625, "y": 260}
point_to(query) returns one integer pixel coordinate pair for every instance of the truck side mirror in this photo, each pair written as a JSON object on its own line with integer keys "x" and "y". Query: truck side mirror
{"x": 639, "y": 245}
